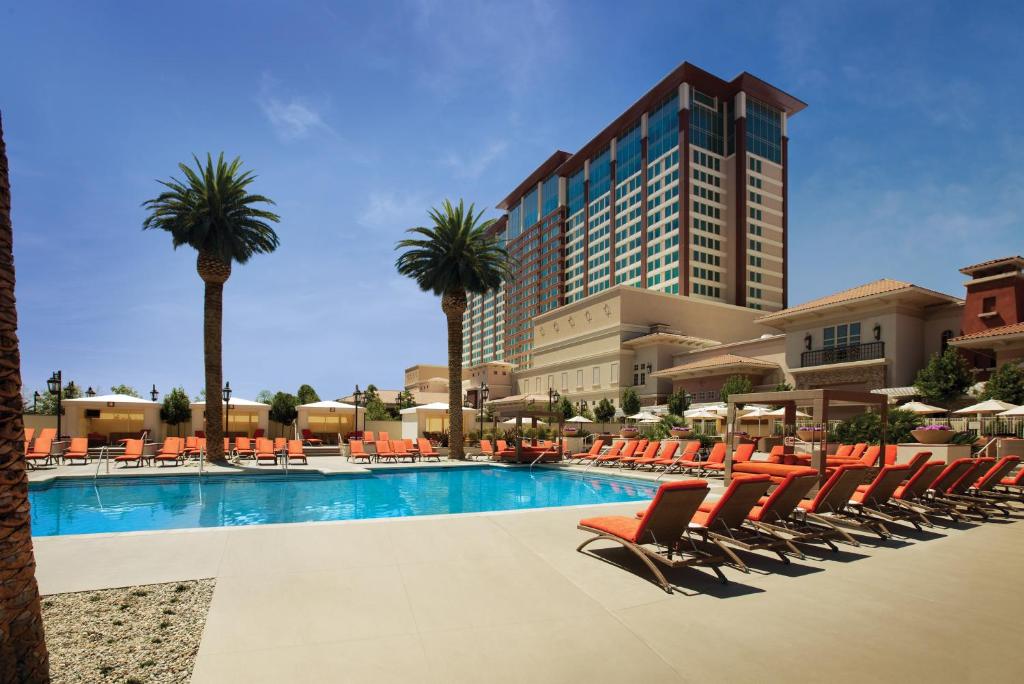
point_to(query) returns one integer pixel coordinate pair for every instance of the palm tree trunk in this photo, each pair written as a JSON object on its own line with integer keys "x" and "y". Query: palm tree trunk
{"x": 454, "y": 306}
{"x": 213, "y": 316}
{"x": 23, "y": 655}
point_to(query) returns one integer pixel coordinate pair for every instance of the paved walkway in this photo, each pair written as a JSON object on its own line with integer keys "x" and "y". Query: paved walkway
{"x": 504, "y": 597}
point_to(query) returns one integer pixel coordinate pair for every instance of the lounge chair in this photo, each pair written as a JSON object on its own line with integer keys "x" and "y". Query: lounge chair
{"x": 858, "y": 450}
{"x": 911, "y": 494}
{"x": 244, "y": 448}
{"x": 78, "y": 450}
{"x": 170, "y": 451}
{"x": 356, "y": 451}
{"x": 590, "y": 455}
{"x": 383, "y": 449}
{"x": 1012, "y": 486}
{"x": 383, "y": 435}
{"x": 872, "y": 507}
{"x": 773, "y": 514}
{"x": 40, "y": 451}
{"x": 486, "y": 450}
{"x": 829, "y": 505}
{"x": 621, "y": 449}
{"x": 132, "y": 453}
{"x": 669, "y": 461}
{"x": 294, "y": 451}
{"x": 716, "y": 461}
{"x": 843, "y": 451}
{"x": 191, "y": 447}
{"x": 401, "y": 451}
{"x": 985, "y": 485}
{"x": 48, "y": 433}
{"x": 308, "y": 438}
{"x": 663, "y": 457}
{"x": 960, "y": 493}
{"x": 368, "y": 437}
{"x": 265, "y": 451}
{"x": 427, "y": 450}
{"x": 663, "y": 534}
{"x": 650, "y": 452}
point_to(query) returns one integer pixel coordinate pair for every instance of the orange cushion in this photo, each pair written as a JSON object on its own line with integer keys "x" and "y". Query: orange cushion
{"x": 618, "y": 525}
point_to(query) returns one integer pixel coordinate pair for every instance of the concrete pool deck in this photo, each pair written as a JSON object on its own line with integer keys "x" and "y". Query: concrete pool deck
{"x": 505, "y": 597}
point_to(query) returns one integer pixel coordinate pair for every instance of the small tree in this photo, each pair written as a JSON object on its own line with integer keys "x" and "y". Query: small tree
{"x": 946, "y": 377}
{"x": 126, "y": 390}
{"x": 1006, "y": 384}
{"x": 565, "y": 409}
{"x": 375, "y": 408}
{"x": 630, "y": 402}
{"x": 284, "y": 408}
{"x": 404, "y": 400}
{"x": 736, "y": 384}
{"x": 307, "y": 395}
{"x": 783, "y": 387}
{"x": 264, "y": 396}
{"x": 678, "y": 402}
{"x": 176, "y": 409}
{"x": 603, "y": 412}
{"x": 47, "y": 404}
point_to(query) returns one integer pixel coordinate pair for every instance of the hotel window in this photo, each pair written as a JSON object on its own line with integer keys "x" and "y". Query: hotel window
{"x": 841, "y": 335}
{"x": 614, "y": 379}
{"x": 579, "y": 379}
{"x": 755, "y": 165}
{"x": 988, "y": 305}
{"x": 551, "y": 382}
{"x": 565, "y": 381}
{"x": 597, "y": 376}
{"x": 764, "y": 131}
{"x": 536, "y": 385}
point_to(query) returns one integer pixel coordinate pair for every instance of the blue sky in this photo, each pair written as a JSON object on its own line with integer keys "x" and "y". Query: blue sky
{"x": 905, "y": 164}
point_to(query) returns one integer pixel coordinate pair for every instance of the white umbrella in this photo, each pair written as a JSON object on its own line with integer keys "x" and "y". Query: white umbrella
{"x": 643, "y": 416}
{"x": 781, "y": 413}
{"x": 1019, "y": 411}
{"x": 578, "y": 419}
{"x": 512, "y": 421}
{"x": 652, "y": 419}
{"x": 921, "y": 408}
{"x": 756, "y": 414}
{"x": 990, "y": 406}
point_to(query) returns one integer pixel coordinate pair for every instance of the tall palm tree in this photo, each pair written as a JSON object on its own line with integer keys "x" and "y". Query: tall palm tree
{"x": 212, "y": 212}
{"x": 23, "y": 656}
{"x": 453, "y": 257}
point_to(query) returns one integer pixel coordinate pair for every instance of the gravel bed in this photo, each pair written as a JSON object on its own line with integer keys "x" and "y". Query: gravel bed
{"x": 148, "y": 633}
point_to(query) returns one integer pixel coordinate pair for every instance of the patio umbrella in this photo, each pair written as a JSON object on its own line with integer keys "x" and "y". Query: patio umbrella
{"x": 652, "y": 419}
{"x": 512, "y": 421}
{"x": 578, "y": 419}
{"x": 781, "y": 413}
{"x": 921, "y": 409}
{"x": 1019, "y": 411}
{"x": 756, "y": 414}
{"x": 988, "y": 407}
{"x": 643, "y": 416}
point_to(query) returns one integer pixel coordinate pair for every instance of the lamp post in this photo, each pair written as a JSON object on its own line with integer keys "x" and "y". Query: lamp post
{"x": 153, "y": 393}
{"x": 356, "y": 397}
{"x": 90, "y": 392}
{"x": 553, "y": 398}
{"x": 35, "y": 401}
{"x": 56, "y": 386}
{"x": 484, "y": 392}
{"x": 226, "y": 396}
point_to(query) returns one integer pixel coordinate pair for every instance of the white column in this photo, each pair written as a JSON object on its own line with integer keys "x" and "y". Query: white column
{"x": 684, "y": 96}
{"x": 612, "y": 147}
{"x": 563, "y": 192}
{"x": 643, "y": 125}
{"x": 741, "y": 104}
{"x": 785, "y": 126}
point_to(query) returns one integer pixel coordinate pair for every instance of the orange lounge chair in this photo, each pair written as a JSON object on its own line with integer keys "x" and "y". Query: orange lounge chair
{"x": 383, "y": 435}
{"x": 40, "y": 451}
{"x": 486, "y": 450}
{"x": 619, "y": 450}
{"x": 1012, "y": 486}
{"x": 670, "y": 460}
{"x": 294, "y": 451}
{"x": 368, "y": 437}
{"x": 78, "y": 450}
{"x": 773, "y": 514}
{"x": 356, "y": 451}
{"x": 244, "y": 448}
{"x": 843, "y": 451}
{"x": 170, "y": 451}
{"x": 858, "y": 450}
{"x": 959, "y": 493}
{"x": 383, "y": 448}
{"x": 401, "y": 451}
{"x": 308, "y": 438}
{"x": 132, "y": 453}
{"x": 829, "y": 505}
{"x": 872, "y": 507}
{"x": 663, "y": 457}
{"x": 984, "y": 487}
{"x": 47, "y": 433}
{"x": 427, "y": 450}
{"x": 947, "y": 477}
{"x": 265, "y": 451}
{"x": 911, "y": 494}
{"x": 650, "y": 452}
{"x": 595, "y": 450}
{"x": 716, "y": 461}
{"x": 663, "y": 534}
{"x": 191, "y": 447}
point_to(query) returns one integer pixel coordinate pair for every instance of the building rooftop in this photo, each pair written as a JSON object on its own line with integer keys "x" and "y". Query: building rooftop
{"x": 881, "y": 289}
{"x": 993, "y": 265}
{"x": 1012, "y": 329}
{"x": 725, "y": 363}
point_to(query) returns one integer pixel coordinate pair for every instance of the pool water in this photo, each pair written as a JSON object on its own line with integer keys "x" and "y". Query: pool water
{"x": 126, "y": 504}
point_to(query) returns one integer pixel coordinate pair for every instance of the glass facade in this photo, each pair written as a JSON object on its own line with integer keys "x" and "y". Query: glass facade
{"x": 515, "y": 222}
{"x": 529, "y": 209}
{"x": 599, "y": 228}
{"x": 575, "y": 260}
{"x": 628, "y": 207}
{"x": 549, "y": 196}
{"x": 663, "y": 128}
{"x": 706, "y": 122}
{"x": 764, "y": 131}
{"x": 627, "y": 153}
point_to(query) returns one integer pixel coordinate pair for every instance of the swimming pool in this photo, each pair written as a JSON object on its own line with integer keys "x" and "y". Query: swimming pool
{"x": 126, "y": 504}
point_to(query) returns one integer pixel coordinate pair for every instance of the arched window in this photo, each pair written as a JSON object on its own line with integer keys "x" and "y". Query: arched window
{"x": 946, "y": 334}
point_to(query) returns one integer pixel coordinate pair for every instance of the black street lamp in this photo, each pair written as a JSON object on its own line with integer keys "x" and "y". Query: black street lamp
{"x": 90, "y": 392}
{"x": 56, "y": 386}
{"x": 483, "y": 393}
{"x": 357, "y": 396}
{"x": 35, "y": 401}
{"x": 153, "y": 393}
{"x": 226, "y": 396}
{"x": 553, "y": 397}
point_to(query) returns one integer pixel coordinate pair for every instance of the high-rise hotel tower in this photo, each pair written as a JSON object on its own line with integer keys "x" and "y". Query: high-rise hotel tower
{"x": 684, "y": 193}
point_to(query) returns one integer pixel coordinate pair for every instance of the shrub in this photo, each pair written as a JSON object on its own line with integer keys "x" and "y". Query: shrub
{"x": 946, "y": 377}
{"x": 867, "y": 427}
{"x": 736, "y": 384}
{"x": 678, "y": 402}
{"x": 1006, "y": 384}
{"x": 630, "y": 402}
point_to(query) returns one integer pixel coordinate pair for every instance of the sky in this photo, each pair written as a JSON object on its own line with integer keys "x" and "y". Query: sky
{"x": 358, "y": 117}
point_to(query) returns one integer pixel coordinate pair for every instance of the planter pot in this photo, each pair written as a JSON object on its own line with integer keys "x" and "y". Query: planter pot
{"x": 809, "y": 435}
{"x": 570, "y": 431}
{"x": 932, "y": 436}
{"x": 628, "y": 433}
{"x": 681, "y": 432}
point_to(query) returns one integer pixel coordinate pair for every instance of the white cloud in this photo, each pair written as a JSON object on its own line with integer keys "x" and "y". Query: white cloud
{"x": 293, "y": 119}
{"x": 473, "y": 165}
{"x": 392, "y": 210}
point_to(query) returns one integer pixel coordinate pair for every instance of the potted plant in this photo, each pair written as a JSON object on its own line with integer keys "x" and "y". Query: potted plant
{"x": 809, "y": 434}
{"x": 681, "y": 431}
{"x": 570, "y": 431}
{"x": 743, "y": 438}
{"x": 629, "y": 431}
{"x": 933, "y": 434}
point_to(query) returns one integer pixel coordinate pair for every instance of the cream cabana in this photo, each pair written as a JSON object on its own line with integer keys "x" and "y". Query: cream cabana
{"x": 244, "y": 417}
{"x": 110, "y": 417}
{"x": 432, "y": 417}
{"x": 328, "y": 419}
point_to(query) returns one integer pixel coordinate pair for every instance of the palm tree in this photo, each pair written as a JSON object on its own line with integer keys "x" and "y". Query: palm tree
{"x": 212, "y": 212}
{"x": 23, "y": 656}
{"x": 455, "y": 256}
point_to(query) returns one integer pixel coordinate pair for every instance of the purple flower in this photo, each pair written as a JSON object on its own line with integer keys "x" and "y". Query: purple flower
{"x": 935, "y": 427}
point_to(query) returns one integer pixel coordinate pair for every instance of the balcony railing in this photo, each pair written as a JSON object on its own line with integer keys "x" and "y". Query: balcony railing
{"x": 843, "y": 354}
